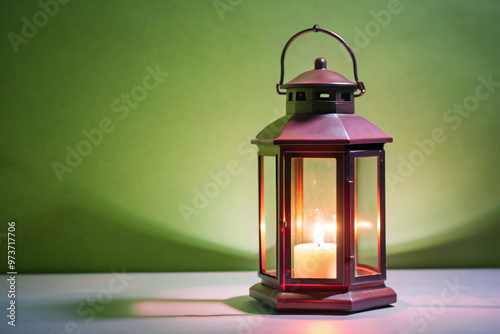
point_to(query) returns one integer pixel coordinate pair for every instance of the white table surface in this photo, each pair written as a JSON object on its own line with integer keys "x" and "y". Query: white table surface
{"x": 429, "y": 301}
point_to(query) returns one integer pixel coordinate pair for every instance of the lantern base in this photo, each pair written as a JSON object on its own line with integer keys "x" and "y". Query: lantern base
{"x": 349, "y": 301}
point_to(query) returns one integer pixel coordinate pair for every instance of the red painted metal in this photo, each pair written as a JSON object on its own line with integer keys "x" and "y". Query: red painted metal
{"x": 349, "y": 301}
{"x": 330, "y": 129}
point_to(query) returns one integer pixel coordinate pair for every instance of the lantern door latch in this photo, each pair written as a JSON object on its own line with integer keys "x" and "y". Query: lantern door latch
{"x": 283, "y": 223}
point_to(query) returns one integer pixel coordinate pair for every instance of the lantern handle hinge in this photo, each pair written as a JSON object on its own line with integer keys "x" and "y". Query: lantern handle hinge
{"x": 316, "y": 28}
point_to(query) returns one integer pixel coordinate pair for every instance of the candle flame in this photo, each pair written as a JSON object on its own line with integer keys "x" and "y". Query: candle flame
{"x": 318, "y": 234}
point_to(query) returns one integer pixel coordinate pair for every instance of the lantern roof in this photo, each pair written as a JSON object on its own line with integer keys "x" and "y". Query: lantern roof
{"x": 320, "y": 76}
{"x": 339, "y": 129}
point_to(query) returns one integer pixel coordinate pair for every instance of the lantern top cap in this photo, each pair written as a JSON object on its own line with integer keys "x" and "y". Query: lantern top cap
{"x": 320, "y": 76}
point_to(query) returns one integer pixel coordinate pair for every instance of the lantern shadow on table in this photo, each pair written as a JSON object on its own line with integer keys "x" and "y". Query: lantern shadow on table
{"x": 174, "y": 308}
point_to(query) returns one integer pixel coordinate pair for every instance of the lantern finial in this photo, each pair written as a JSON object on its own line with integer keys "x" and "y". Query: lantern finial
{"x": 320, "y": 64}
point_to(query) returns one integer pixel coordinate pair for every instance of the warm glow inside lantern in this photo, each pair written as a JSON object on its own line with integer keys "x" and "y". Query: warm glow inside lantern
{"x": 322, "y": 197}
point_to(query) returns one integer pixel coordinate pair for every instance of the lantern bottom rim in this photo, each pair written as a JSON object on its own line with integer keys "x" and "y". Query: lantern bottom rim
{"x": 350, "y": 301}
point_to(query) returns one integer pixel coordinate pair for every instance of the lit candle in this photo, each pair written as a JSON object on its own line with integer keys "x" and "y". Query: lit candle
{"x": 317, "y": 259}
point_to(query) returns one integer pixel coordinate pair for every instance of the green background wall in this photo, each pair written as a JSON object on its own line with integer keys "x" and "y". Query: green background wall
{"x": 120, "y": 203}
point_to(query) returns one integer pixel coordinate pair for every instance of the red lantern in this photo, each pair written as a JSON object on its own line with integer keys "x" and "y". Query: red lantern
{"x": 322, "y": 197}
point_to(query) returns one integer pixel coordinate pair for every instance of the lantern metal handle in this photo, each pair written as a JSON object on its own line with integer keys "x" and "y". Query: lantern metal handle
{"x": 316, "y": 28}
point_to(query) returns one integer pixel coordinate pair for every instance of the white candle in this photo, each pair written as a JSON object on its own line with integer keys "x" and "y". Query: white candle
{"x": 317, "y": 259}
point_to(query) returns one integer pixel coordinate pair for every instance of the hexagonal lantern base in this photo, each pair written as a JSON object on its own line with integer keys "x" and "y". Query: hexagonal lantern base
{"x": 349, "y": 301}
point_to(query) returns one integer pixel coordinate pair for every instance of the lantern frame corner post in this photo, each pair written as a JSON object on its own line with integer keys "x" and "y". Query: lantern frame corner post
{"x": 262, "y": 245}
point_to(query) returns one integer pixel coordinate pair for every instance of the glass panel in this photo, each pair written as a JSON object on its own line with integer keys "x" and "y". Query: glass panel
{"x": 268, "y": 215}
{"x": 366, "y": 216}
{"x": 313, "y": 210}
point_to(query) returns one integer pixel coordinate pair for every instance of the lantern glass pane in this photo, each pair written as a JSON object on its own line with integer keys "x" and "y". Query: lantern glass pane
{"x": 268, "y": 215}
{"x": 313, "y": 215}
{"x": 366, "y": 216}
